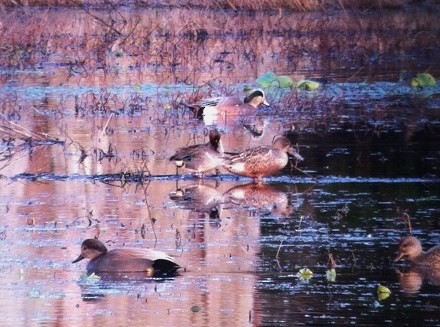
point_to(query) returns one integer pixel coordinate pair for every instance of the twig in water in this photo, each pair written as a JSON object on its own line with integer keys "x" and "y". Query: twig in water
{"x": 279, "y": 248}
{"x": 106, "y": 124}
{"x": 407, "y": 220}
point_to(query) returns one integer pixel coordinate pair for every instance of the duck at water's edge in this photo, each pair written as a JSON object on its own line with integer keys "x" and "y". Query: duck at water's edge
{"x": 262, "y": 161}
{"x": 201, "y": 158}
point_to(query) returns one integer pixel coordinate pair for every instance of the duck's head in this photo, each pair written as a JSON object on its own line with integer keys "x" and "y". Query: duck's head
{"x": 215, "y": 140}
{"x": 409, "y": 247}
{"x": 91, "y": 249}
{"x": 280, "y": 142}
{"x": 255, "y": 98}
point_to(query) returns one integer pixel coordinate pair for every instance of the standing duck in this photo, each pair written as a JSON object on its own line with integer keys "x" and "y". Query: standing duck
{"x": 151, "y": 262}
{"x": 201, "y": 158}
{"x": 411, "y": 249}
{"x": 263, "y": 160}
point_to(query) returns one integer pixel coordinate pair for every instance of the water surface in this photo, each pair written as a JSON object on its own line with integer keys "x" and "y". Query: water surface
{"x": 87, "y": 131}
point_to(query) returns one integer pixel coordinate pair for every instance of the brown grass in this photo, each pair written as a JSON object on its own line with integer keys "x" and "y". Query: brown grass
{"x": 297, "y": 5}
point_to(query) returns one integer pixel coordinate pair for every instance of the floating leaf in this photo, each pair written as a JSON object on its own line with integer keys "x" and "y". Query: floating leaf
{"x": 89, "y": 279}
{"x": 307, "y": 85}
{"x": 167, "y": 107}
{"x": 283, "y": 82}
{"x": 331, "y": 275}
{"x": 383, "y": 292}
{"x": 266, "y": 80}
{"x": 304, "y": 274}
{"x": 423, "y": 80}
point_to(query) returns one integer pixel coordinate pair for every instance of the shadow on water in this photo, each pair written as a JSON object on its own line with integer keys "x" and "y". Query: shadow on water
{"x": 90, "y": 117}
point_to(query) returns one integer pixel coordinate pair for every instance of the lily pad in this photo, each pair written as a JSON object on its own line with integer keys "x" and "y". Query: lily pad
{"x": 307, "y": 85}
{"x": 266, "y": 80}
{"x": 89, "y": 279}
{"x": 304, "y": 274}
{"x": 331, "y": 275}
{"x": 383, "y": 292}
{"x": 423, "y": 80}
{"x": 283, "y": 82}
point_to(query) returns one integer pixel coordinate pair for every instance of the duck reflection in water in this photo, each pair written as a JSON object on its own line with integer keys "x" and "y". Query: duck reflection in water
{"x": 198, "y": 197}
{"x": 411, "y": 279}
{"x": 423, "y": 265}
{"x": 203, "y": 200}
{"x": 263, "y": 199}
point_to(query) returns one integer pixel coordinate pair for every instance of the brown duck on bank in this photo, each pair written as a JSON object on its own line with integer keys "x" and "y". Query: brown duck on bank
{"x": 263, "y": 160}
{"x": 201, "y": 158}
{"x": 151, "y": 262}
{"x": 411, "y": 250}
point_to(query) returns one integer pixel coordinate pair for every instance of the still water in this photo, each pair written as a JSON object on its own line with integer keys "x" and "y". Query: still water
{"x": 85, "y": 154}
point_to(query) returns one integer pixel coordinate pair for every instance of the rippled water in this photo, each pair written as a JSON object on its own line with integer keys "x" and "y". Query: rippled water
{"x": 372, "y": 160}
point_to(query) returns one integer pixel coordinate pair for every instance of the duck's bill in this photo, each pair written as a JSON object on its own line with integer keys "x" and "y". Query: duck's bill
{"x": 78, "y": 259}
{"x": 399, "y": 257}
{"x": 295, "y": 154}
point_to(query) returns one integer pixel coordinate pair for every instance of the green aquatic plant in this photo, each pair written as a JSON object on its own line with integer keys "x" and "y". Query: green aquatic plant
{"x": 423, "y": 80}
{"x": 304, "y": 274}
{"x": 266, "y": 80}
{"x": 89, "y": 279}
{"x": 307, "y": 85}
{"x": 270, "y": 79}
{"x": 330, "y": 275}
{"x": 383, "y": 292}
{"x": 284, "y": 82}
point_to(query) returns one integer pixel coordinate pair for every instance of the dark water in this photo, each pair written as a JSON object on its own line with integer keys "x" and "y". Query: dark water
{"x": 85, "y": 148}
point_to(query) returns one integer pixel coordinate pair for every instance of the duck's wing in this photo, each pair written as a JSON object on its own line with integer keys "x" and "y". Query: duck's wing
{"x": 432, "y": 256}
{"x": 221, "y": 101}
{"x": 188, "y": 153}
{"x": 135, "y": 260}
{"x": 210, "y": 102}
{"x": 251, "y": 155}
{"x": 247, "y": 160}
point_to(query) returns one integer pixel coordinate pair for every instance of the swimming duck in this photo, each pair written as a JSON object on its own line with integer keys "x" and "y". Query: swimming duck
{"x": 411, "y": 249}
{"x": 201, "y": 158}
{"x": 231, "y": 106}
{"x": 153, "y": 263}
{"x": 262, "y": 161}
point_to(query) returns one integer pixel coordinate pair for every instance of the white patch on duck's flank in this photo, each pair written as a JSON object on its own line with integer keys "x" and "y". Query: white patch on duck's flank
{"x": 238, "y": 166}
{"x": 179, "y": 163}
{"x": 210, "y": 115}
{"x": 239, "y": 194}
